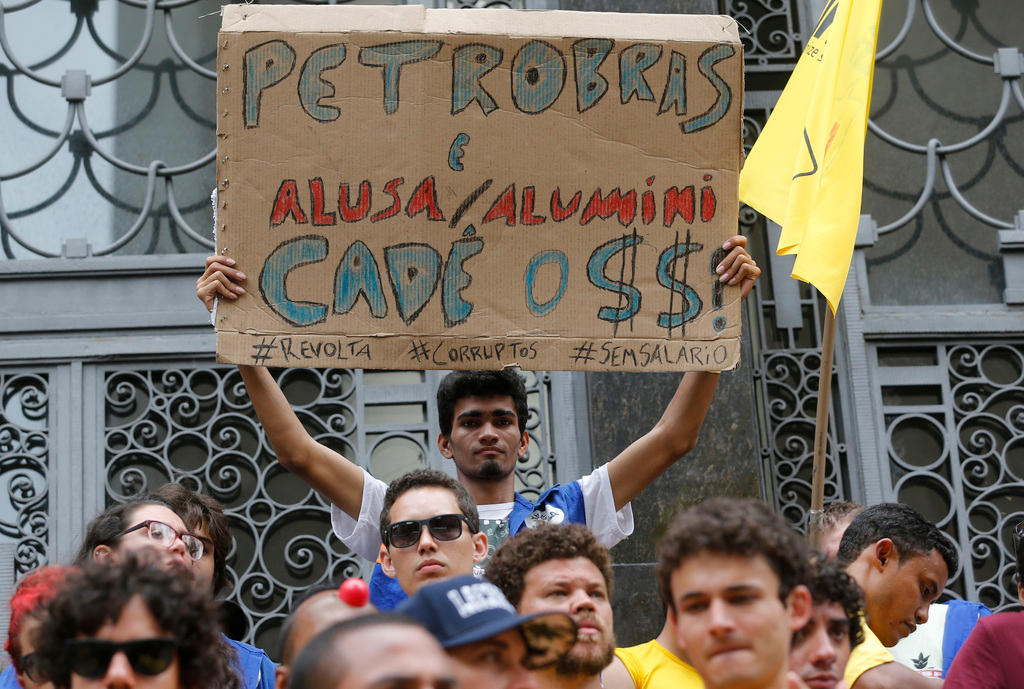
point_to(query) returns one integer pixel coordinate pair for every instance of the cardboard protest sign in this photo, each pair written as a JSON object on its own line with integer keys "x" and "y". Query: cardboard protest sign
{"x": 419, "y": 188}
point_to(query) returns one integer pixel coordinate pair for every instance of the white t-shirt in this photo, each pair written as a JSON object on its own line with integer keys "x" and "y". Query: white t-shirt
{"x": 922, "y": 650}
{"x": 362, "y": 535}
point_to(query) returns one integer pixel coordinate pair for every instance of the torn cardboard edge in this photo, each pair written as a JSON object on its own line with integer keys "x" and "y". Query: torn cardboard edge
{"x": 505, "y": 22}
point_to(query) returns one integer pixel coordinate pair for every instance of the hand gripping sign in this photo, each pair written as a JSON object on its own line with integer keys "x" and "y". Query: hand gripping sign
{"x": 419, "y": 188}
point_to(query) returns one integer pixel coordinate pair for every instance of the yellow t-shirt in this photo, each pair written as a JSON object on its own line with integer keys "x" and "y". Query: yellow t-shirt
{"x": 652, "y": 666}
{"x": 871, "y": 653}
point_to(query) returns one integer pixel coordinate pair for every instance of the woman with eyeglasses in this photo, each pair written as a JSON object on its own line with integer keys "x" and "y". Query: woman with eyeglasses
{"x": 35, "y": 589}
{"x": 143, "y": 524}
{"x": 131, "y": 624}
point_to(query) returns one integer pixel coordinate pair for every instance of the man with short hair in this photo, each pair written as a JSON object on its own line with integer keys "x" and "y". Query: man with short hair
{"x": 562, "y": 567}
{"x": 483, "y": 431}
{"x": 318, "y": 608}
{"x": 822, "y": 646}
{"x": 993, "y": 653}
{"x": 931, "y": 648}
{"x": 430, "y": 530}
{"x": 835, "y": 517}
{"x": 901, "y": 562}
{"x": 489, "y": 644}
{"x": 373, "y": 652}
{"x": 733, "y": 576}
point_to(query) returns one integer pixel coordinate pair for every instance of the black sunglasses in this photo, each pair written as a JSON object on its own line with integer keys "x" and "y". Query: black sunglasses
{"x": 30, "y": 665}
{"x": 90, "y": 658}
{"x": 443, "y": 527}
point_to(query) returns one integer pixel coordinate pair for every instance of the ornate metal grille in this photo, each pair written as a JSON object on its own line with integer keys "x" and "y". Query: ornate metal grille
{"x": 25, "y": 445}
{"x": 196, "y": 426}
{"x": 769, "y": 31}
{"x": 953, "y": 420}
{"x": 923, "y": 140}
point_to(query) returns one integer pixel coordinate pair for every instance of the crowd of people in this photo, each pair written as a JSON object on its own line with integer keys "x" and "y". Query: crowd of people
{"x": 477, "y": 586}
{"x": 746, "y": 605}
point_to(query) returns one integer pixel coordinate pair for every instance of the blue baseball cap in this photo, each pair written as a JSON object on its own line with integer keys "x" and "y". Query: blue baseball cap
{"x": 463, "y": 610}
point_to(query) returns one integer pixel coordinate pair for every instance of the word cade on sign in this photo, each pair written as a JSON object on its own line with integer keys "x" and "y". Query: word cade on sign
{"x": 413, "y": 188}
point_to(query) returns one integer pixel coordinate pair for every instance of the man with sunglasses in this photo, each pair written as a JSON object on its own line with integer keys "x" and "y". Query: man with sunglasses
{"x": 132, "y": 624}
{"x": 992, "y": 655}
{"x": 430, "y": 530}
{"x": 488, "y": 643}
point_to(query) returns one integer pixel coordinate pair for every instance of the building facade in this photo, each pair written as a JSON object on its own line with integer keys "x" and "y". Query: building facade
{"x": 108, "y": 384}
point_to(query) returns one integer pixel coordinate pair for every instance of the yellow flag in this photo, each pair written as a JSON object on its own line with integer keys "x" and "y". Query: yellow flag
{"x": 806, "y": 169}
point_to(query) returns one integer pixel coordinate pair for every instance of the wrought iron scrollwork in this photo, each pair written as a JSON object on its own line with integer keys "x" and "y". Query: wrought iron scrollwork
{"x": 24, "y": 465}
{"x": 955, "y": 445}
{"x": 197, "y": 427}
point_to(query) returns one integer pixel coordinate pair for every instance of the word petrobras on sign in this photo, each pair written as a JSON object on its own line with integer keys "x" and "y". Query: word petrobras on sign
{"x": 417, "y": 188}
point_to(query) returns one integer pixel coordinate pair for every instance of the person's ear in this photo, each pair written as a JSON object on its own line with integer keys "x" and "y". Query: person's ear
{"x": 444, "y": 444}
{"x": 1020, "y": 592}
{"x": 479, "y": 546}
{"x": 798, "y": 605}
{"x": 524, "y": 444}
{"x": 281, "y": 677}
{"x": 103, "y": 553}
{"x": 386, "y": 564}
{"x": 884, "y": 553}
{"x": 673, "y": 625}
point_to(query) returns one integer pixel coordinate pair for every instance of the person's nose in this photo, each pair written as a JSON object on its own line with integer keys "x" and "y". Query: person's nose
{"x": 823, "y": 651}
{"x": 921, "y": 614}
{"x": 580, "y": 601}
{"x": 488, "y": 433}
{"x": 426, "y": 544}
{"x": 178, "y": 549}
{"x": 120, "y": 674}
{"x": 720, "y": 619}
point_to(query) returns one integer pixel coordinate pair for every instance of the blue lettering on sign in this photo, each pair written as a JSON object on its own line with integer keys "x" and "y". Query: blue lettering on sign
{"x": 595, "y": 272}
{"x": 265, "y": 65}
{"x": 289, "y": 255}
{"x": 538, "y": 76}
{"x": 674, "y": 95}
{"x": 469, "y": 64}
{"x": 633, "y": 62}
{"x": 358, "y": 275}
{"x": 414, "y": 270}
{"x": 707, "y": 61}
{"x": 392, "y": 57}
{"x": 456, "y": 279}
{"x": 588, "y": 55}
{"x": 313, "y": 87}
{"x": 543, "y": 258}
{"x": 667, "y": 278}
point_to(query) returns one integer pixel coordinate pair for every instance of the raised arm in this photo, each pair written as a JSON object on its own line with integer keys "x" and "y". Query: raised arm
{"x": 677, "y": 430}
{"x": 335, "y": 477}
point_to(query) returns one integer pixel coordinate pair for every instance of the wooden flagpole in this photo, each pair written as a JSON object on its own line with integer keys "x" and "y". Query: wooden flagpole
{"x": 814, "y": 520}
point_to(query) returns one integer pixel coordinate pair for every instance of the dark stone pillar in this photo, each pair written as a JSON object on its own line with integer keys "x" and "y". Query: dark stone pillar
{"x": 725, "y": 462}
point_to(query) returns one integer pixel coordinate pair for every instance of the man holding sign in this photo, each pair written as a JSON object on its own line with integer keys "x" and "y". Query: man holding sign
{"x": 484, "y": 433}
{"x": 419, "y": 188}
